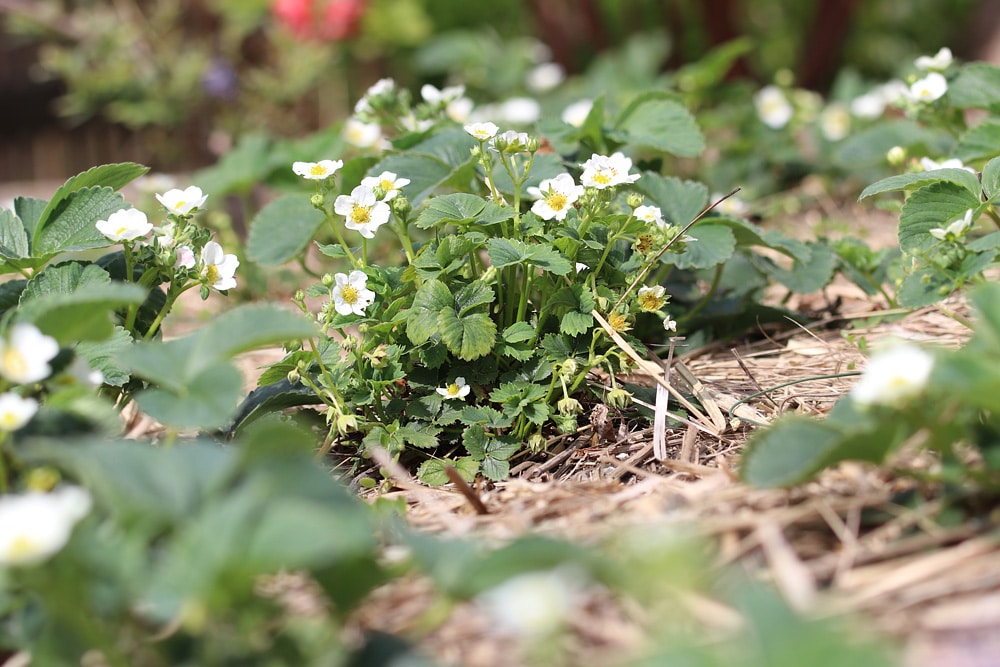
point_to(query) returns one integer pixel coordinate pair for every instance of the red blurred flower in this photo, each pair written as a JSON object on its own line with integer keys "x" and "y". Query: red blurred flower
{"x": 327, "y": 20}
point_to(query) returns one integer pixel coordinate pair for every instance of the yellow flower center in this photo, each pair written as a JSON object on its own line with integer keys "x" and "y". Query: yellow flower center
{"x": 21, "y": 548}
{"x": 618, "y": 322}
{"x": 602, "y": 177}
{"x": 387, "y": 185}
{"x": 361, "y": 215}
{"x": 179, "y": 205}
{"x": 121, "y": 231}
{"x": 649, "y": 301}
{"x": 349, "y": 294}
{"x": 317, "y": 170}
{"x": 453, "y": 389}
{"x": 212, "y": 273}
{"x": 9, "y": 421}
{"x": 556, "y": 201}
{"x": 14, "y": 363}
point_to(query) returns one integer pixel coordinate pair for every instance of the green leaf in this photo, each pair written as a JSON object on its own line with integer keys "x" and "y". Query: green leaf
{"x": 468, "y": 337}
{"x": 981, "y": 142}
{"x": 679, "y": 201}
{"x": 519, "y": 332}
{"x": 207, "y": 400}
{"x": 282, "y": 230}
{"x": 250, "y": 327}
{"x": 869, "y": 146}
{"x": 661, "y": 124}
{"x": 924, "y": 287}
{"x": 932, "y": 206}
{"x": 271, "y": 398}
{"x": 714, "y": 245}
{"x": 86, "y": 314}
{"x": 476, "y": 293}
{"x": 966, "y": 179}
{"x": 495, "y": 469}
{"x": 474, "y": 439}
{"x": 575, "y": 323}
{"x": 72, "y": 224}
{"x": 804, "y": 276}
{"x": 430, "y": 163}
{"x": 432, "y": 471}
{"x": 991, "y": 178}
{"x": 423, "y": 437}
{"x": 485, "y": 415}
{"x": 65, "y": 278}
{"x": 459, "y": 208}
{"x": 788, "y": 452}
{"x": 13, "y": 237}
{"x": 431, "y": 299}
{"x": 110, "y": 176}
{"x": 30, "y": 210}
{"x": 977, "y": 86}
{"x": 508, "y": 252}
{"x": 104, "y": 356}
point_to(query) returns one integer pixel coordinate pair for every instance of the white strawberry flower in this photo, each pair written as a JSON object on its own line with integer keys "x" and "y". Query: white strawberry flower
{"x": 555, "y": 196}
{"x": 317, "y": 171}
{"x": 126, "y": 224}
{"x": 25, "y": 354}
{"x": 182, "y": 202}
{"x": 364, "y": 212}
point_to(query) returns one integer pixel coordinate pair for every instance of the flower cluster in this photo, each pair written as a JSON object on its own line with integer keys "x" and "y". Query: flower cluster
{"x": 175, "y": 246}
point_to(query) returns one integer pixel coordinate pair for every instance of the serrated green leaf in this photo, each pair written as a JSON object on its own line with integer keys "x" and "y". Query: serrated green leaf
{"x": 422, "y": 437}
{"x": 714, "y": 244}
{"x": 977, "y": 86}
{"x": 508, "y": 252}
{"x": 30, "y": 210}
{"x": 661, "y": 124}
{"x": 459, "y": 208}
{"x": 980, "y": 142}
{"x": 679, "y": 201}
{"x": 476, "y": 293}
{"x": 474, "y": 440}
{"x": 65, "y": 278}
{"x": 87, "y": 314}
{"x": 519, "y": 332}
{"x": 575, "y": 323}
{"x": 432, "y": 471}
{"x": 932, "y": 206}
{"x": 966, "y": 179}
{"x": 495, "y": 469}
{"x": 468, "y": 337}
{"x": 282, "y": 230}
{"x": 250, "y": 327}
{"x": 71, "y": 225}
{"x": 209, "y": 399}
{"x": 484, "y": 415}
{"x": 104, "y": 356}
{"x": 502, "y": 447}
{"x": 110, "y": 176}
{"x": 13, "y": 237}
{"x": 431, "y": 299}
{"x": 430, "y": 163}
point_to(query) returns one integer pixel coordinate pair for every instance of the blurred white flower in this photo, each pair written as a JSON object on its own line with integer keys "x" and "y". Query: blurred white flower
{"x": 534, "y": 605}
{"x": 315, "y": 171}
{"x": 868, "y": 106}
{"x": 364, "y": 212}
{"x": 182, "y": 202}
{"x": 351, "y": 294}
{"x": 457, "y": 389}
{"x": 388, "y": 182}
{"x": 733, "y": 206}
{"x": 555, "y": 196}
{"x": 218, "y": 268}
{"x": 459, "y": 110}
{"x": 928, "y": 164}
{"x": 361, "y": 134}
{"x": 25, "y": 354}
{"x": 939, "y": 62}
{"x": 835, "y": 121}
{"x": 670, "y": 324}
{"x": 520, "y": 110}
{"x": 894, "y": 375}
{"x": 443, "y": 96}
{"x": 576, "y": 113}
{"x": 16, "y": 411}
{"x": 930, "y": 88}
{"x": 185, "y": 258}
{"x": 773, "y": 107}
{"x": 126, "y": 224}
{"x": 544, "y": 77}
{"x": 602, "y": 171}
{"x": 34, "y": 526}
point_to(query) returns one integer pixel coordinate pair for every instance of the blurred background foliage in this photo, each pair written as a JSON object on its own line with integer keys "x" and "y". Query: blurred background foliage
{"x": 193, "y": 76}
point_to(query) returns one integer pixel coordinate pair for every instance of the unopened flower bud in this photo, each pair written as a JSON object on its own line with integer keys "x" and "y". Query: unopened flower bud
{"x": 43, "y": 479}
{"x": 401, "y": 206}
{"x": 634, "y": 200}
{"x": 299, "y": 296}
{"x": 536, "y": 442}
{"x": 618, "y": 398}
{"x": 489, "y": 275}
{"x": 896, "y": 156}
{"x": 533, "y": 145}
{"x": 318, "y": 201}
{"x": 346, "y": 423}
{"x": 293, "y": 376}
{"x": 569, "y": 406}
{"x": 327, "y": 280}
{"x": 567, "y": 369}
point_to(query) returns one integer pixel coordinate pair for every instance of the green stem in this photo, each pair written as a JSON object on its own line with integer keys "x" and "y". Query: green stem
{"x": 172, "y": 296}
{"x": 364, "y": 251}
{"x": 522, "y": 306}
{"x": 343, "y": 243}
{"x": 404, "y": 239}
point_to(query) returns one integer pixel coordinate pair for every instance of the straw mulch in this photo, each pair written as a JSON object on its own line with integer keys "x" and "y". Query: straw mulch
{"x": 935, "y": 588}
